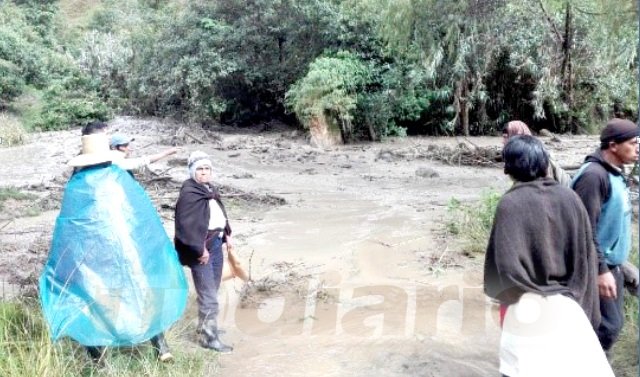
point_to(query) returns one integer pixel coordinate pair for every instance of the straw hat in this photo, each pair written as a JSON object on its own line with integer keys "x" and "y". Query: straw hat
{"x": 95, "y": 150}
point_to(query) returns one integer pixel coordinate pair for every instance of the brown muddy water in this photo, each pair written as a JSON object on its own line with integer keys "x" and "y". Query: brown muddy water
{"x": 353, "y": 274}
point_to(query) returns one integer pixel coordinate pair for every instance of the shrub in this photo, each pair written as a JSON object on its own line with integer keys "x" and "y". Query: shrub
{"x": 106, "y": 58}
{"x": 473, "y": 222}
{"x": 176, "y": 72}
{"x": 330, "y": 91}
{"x": 21, "y": 45}
{"x": 11, "y": 82}
{"x": 11, "y": 131}
{"x": 374, "y": 117}
{"x": 64, "y": 108}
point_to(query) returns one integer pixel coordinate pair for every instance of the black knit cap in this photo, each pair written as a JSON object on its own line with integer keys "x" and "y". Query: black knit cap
{"x": 619, "y": 130}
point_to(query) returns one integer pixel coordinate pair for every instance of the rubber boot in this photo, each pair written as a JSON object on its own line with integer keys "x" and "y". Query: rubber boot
{"x": 95, "y": 353}
{"x": 210, "y": 339}
{"x": 201, "y": 326}
{"x": 161, "y": 348}
{"x": 631, "y": 278}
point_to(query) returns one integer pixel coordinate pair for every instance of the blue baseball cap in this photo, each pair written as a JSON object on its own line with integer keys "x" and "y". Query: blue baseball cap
{"x": 119, "y": 139}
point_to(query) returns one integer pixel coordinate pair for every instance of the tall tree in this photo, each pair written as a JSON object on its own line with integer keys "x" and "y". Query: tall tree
{"x": 272, "y": 44}
{"x": 449, "y": 41}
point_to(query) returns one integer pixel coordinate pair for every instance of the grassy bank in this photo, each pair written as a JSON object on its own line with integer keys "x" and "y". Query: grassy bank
{"x": 471, "y": 223}
{"x": 26, "y": 350}
{"x": 625, "y": 351}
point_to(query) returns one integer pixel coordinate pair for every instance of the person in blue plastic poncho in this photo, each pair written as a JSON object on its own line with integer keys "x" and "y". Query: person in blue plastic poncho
{"x": 112, "y": 277}
{"x": 201, "y": 228}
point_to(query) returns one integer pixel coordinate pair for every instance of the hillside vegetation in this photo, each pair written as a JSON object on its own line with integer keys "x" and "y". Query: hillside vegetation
{"x": 361, "y": 69}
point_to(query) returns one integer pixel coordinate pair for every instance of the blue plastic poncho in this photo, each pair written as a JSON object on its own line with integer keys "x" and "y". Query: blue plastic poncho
{"x": 113, "y": 276}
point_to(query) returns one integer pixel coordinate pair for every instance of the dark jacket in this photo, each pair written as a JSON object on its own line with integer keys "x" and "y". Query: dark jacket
{"x": 541, "y": 243}
{"x": 192, "y": 220}
{"x": 603, "y": 191}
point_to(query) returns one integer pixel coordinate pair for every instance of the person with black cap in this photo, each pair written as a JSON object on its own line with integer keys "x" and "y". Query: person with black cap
{"x": 602, "y": 187}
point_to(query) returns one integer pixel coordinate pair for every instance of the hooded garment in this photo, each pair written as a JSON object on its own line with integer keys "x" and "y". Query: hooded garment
{"x": 112, "y": 277}
{"x": 192, "y": 220}
{"x": 516, "y": 127}
{"x": 605, "y": 195}
{"x": 541, "y": 243}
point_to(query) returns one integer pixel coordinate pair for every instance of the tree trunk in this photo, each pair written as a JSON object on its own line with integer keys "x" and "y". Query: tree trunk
{"x": 567, "y": 69}
{"x": 372, "y": 132}
{"x": 462, "y": 92}
{"x": 281, "y": 41}
{"x": 322, "y": 134}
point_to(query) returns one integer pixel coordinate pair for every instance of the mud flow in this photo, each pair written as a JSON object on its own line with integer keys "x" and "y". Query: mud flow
{"x": 353, "y": 273}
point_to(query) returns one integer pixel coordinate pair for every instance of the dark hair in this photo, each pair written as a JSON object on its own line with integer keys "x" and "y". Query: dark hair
{"x": 94, "y": 128}
{"x": 525, "y": 158}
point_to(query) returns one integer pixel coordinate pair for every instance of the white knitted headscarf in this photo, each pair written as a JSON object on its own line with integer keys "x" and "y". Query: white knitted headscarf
{"x": 196, "y": 160}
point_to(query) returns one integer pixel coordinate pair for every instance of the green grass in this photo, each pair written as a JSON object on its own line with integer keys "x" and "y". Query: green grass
{"x": 28, "y": 107}
{"x": 26, "y": 350}
{"x": 20, "y": 117}
{"x": 625, "y": 351}
{"x": 472, "y": 222}
{"x": 12, "y": 131}
{"x": 7, "y": 193}
{"x": 13, "y": 193}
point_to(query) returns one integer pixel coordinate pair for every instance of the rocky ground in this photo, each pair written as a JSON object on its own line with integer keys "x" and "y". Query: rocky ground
{"x": 353, "y": 271}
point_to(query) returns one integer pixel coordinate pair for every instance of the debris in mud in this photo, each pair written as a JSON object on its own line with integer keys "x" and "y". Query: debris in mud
{"x": 163, "y": 188}
{"x": 245, "y": 198}
{"x": 309, "y": 171}
{"x": 390, "y": 156}
{"x": 29, "y": 201}
{"x": 427, "y": 172}
{"x": 464, "y": 153}
{"x": 177, "y": 162}
{"x": 22, "y": 260}
{"x": 243, "y": 176}
{"x": 371, "y": 177}
{"x": 286, "y": 279}
{"x": 438, "y": 261}
{"x": 193, "y": 135}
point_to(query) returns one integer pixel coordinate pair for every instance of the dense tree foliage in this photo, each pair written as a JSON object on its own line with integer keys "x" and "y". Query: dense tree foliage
{"x": 32, "y": 56}
{"x": 368, "y": 68}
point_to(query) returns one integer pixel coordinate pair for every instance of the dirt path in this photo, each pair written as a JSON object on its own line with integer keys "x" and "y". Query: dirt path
{"x": 353, "y": 273}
